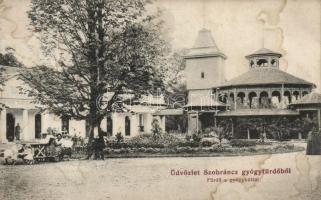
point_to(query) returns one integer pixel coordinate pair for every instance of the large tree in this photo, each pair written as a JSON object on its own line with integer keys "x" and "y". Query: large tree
{"x": 104, "y": 46}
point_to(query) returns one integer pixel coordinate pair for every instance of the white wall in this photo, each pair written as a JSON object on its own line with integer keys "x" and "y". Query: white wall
{"x": 212, "y": 67}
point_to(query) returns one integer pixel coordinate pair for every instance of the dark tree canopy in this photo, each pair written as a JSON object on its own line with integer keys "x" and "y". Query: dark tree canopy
{"x": 103, "y": 46}
{"x": 8, "y": 58}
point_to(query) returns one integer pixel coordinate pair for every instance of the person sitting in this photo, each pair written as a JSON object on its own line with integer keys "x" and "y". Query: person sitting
{"x": 59, "y": 139}
{"x": 26, "y": 154}
{"x": 54, "y": 149}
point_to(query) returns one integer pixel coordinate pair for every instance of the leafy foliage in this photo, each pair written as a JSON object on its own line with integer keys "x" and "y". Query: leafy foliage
{"x": 119, "y": 137}
{"x": 242, "y": 143}
{"x": 106, "y": 49}
{"x": 196, "y": 137}
{"x": 147, "y": 140}
{"x": 278, "y": 128}
{"x": 8, "y": 58}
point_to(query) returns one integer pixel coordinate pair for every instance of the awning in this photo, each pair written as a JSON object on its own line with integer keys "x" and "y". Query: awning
{"x": 142, "y": 108}
{"x": 258, "y": 112}
{"x": 169, "y": 112}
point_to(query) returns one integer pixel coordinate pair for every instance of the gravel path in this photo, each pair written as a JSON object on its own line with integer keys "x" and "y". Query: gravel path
{"x": 150, "y": 178}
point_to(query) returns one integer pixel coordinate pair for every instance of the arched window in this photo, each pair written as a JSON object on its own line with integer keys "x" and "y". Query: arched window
{"x": 223, "y": 97}
{"x": 262, "y": 63}
{"x": 65, "y": 124}
{"x": 38, "y": 126}
{"x": 276, "y": 94}
{"x": 276, "y": 99}
{"x": 296, "y": 95}
{"x": 232, "y": 97}
{"x": 127, "y": 126}
{"x": 287, "y": 94}
{"x": 241, "y": 95}
{"x": 109, "y": 126}
{"x": 10, "y": 127}
{"x": 252, "y": 96}
{"x": 264, "y": 99}
{"x": 252, "y": 64}
{"x": 202, "y": 75}
{"x": 273, "y": 63}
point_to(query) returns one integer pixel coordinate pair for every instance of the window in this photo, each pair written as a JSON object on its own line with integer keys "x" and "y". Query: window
{"x": 65, "y": 124}
{"x": 202, "y": 75}
{"x": 252, "y": 64}
{"x": 127, "y": 126}
{"x": 141, "y": 123}
{"x": 273, "y": 62}
{"x": 37, "y": 126}
{"x": 262, "y": 63}
{"x": 109, "y": 126}
{"x": 87, "y": 128}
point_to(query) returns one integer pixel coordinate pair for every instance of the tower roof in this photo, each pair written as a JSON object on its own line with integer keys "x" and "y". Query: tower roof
{"x": 204, "y": 46}
{"x": 264, "y": 51}
{"x": 204, "y": 39}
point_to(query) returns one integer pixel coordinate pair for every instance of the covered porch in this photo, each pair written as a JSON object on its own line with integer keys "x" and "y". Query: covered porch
{"x": 25, "y": 114}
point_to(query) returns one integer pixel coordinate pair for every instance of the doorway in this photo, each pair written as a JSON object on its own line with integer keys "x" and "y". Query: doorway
{"x": 10, "y": 127}
{"x": 37, "y": 126}
{"x": 127, "y": 126}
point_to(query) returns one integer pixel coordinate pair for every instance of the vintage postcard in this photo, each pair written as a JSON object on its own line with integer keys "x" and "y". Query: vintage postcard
{"x": 160, "y": 99}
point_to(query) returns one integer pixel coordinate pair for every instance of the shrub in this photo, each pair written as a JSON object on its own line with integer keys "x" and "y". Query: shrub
{"x": 207, "y": 143}
{"x": 147, "y": 140}
{"x": 188, "y": 137}
{"x": 217, "y": 148}
{"x": 196, "y": 137}
{"x": 188, "y": 144}
{"x": 119, "y": 137}
{"x": 242, "y": 143}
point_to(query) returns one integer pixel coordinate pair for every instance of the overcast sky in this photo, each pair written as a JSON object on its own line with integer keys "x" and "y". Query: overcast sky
{"x": 291, "y": 28}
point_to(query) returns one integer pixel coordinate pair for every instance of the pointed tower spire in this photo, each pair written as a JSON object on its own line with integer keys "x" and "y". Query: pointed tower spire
{"x": 205, "y": 45}
{"x": 204, "y": 63}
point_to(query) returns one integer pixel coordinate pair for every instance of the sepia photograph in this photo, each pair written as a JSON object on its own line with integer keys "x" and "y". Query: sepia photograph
{"x": 160, "y": 99}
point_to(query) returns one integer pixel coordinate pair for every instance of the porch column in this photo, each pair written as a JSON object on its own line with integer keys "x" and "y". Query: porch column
{"x": 248, "y": 134}
{"x": 232, "y": 121}
{"x": 24, "y": 134}
{"x": 235, "y": 97}
{"x": 319, "y": 122}
{"x": 163, "y": 122}
{"x": 3, "y": 125}
{"x": 197, "y": 122}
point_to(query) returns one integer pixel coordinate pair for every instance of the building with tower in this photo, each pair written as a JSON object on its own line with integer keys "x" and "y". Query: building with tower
{"x": 263, "y": 93}
{"x": 204, "y": 70}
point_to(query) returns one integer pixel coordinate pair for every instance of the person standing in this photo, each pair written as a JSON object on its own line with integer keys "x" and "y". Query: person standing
{"x": 17, "y": 132}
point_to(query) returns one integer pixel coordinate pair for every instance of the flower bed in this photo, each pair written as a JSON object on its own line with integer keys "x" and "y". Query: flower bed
{"x": 214, "y": 150}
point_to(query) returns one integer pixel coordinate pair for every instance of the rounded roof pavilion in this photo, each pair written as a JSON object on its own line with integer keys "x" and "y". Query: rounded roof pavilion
{"x": 264, "y": 70}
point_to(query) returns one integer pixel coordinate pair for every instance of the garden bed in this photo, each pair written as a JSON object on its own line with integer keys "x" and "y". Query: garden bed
{"x": 215, "y": 151}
